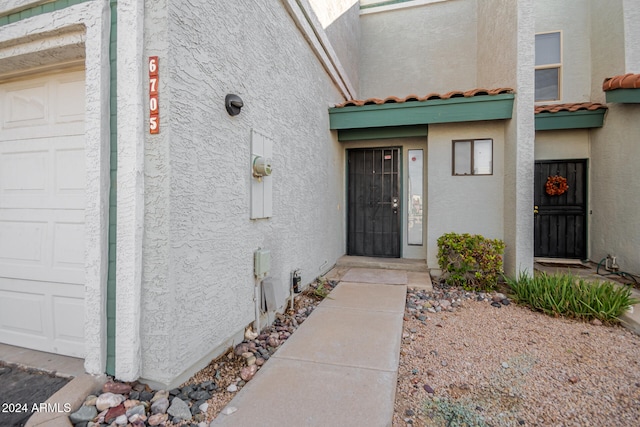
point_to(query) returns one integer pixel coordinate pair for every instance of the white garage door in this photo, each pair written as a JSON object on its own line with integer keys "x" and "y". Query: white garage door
{"x": 42, "y": 201}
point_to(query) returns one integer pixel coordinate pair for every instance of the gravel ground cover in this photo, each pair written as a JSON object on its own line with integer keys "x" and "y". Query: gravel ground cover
{"x": 199, "y": 400}
{"x": 467, "y": 359}
{"x": 470, "y": 360}
{"x": 227, "y": 371}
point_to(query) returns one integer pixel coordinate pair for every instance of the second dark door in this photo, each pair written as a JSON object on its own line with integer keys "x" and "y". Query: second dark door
{"x": 374, "y": 202}
{"x": 561, "y": 219}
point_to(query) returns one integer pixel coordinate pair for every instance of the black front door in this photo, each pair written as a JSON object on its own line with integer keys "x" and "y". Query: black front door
{"x": 374, "y": 202}
{"x": 561, "y": 219}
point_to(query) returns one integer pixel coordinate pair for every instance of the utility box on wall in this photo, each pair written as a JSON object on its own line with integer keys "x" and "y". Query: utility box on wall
{"x": 261, "y": 263}
{"x": 261, "y": 180}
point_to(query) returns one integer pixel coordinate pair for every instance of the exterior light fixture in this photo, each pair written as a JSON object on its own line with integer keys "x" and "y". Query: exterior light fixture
{"x": 233, "y": 103}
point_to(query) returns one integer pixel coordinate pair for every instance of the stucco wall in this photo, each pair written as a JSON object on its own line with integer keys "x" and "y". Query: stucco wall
{"x": 562, "y": 144}
{"x": 198, "y": 281}
{"x": 340, "y": 21}
{"x": 463, "y": 204}
{"x": 632, "y": 35}
{"x": 615, "y": 152}
{"x": 419, "y": 50}
{"x": 506, "y": 58}
{"x": 607, "y": 44}
{"x": 572, "y": 18}
{"x": 615, "y": 186}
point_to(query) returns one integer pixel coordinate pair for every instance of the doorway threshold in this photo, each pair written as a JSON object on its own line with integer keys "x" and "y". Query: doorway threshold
{"x": 383, "y": 263}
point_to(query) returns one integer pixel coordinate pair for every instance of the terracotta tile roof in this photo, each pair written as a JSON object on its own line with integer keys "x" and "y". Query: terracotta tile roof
{"x": 626, "y": 81}
{"x": 411, "y": 98}
{"x": 554, "y": 108}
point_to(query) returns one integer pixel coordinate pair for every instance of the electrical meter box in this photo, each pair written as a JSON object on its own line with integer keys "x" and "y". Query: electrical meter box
{"x": 262, "y": 263}
{"x": 261, "y": 168}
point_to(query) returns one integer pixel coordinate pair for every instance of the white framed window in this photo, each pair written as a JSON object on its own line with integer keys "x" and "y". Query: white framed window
{"x": 472, "y": 157}
{"x": 548, "y": 66}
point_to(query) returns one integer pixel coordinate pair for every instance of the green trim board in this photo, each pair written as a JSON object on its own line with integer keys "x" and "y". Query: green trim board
{"x": 623, "y": 96}
{"x": 110, "y": 367}
{"x": 581, "y": 119}
{"x": 382, "y": 133}
{"x": 37, "y": 10}
{"x": 452, "y": 110}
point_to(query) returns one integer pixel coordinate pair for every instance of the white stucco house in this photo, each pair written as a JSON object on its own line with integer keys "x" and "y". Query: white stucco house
{"x": 149, "y": 149}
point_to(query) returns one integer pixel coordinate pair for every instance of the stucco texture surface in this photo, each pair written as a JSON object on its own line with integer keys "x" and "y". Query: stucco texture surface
{"x": 614, "y": 182}
{"x": 615, "y": 186}
{"x": 198, "y": 281}
{"x": 340, "y": 21}
{"x": 417, "y": 50}
{"x": 506, "y": 57}
{"x": 598, "y": 42}
{"x": 562, "y": 144}
{"x": 463, "y": 204}
{"x": 572, "y": 18}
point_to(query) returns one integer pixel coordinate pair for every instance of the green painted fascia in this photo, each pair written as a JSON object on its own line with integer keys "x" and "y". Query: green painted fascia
{"x": 452, "y": 110}
{"x": 382, "y": 133}
{"x": 581, "y": 119}
{"x": 110, "y": 367}
{"x": 19, "y": 15}
{"x": 628, "y": 96}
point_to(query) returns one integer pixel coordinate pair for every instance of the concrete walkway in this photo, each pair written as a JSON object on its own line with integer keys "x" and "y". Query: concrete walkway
{"x": 340, "y": 367}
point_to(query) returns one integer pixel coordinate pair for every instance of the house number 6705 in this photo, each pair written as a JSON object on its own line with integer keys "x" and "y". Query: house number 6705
{"x": 154, "y": 102}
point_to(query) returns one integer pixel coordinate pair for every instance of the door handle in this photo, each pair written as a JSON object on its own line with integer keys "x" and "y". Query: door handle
{"x": 535, "y": 209}
{"x": 394, "y": 204}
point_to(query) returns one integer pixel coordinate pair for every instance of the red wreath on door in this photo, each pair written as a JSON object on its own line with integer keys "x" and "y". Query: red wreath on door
{"x": 556, "y": 185}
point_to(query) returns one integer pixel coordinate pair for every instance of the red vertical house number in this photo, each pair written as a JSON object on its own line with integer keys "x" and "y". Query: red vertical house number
{"x": 154, "y": 104}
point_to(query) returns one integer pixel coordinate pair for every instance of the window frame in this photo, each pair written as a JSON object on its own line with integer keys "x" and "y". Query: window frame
{"x": 549, "y": 66}
{"x": 471, "y": 157}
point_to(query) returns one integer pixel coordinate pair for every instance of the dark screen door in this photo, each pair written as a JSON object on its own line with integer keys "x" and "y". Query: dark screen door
{"x": 374, "y": 202}
{"x": 561, "y": 220}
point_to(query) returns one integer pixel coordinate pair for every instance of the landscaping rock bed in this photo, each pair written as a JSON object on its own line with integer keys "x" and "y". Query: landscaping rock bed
{"x": 476, "y": 359}
{"x": 200, "y": 399}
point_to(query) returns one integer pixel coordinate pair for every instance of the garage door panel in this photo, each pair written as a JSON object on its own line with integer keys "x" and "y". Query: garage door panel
{"x": 14, "y": 304}
{"x": 68, "y": 249}
{"x": 69, "y": 178}
{"x": 43, "y": 173}
{"x": 24, "y": 172}
{"x": 69, "y": 111}
{"x": 26, "y": 105}
{"x": 22, "y": 243}
{"x": 44, "y": 245}
{"x": 55, "y": 316}
{"x": 68, "y": 316}
{"x": 42, "y": 213}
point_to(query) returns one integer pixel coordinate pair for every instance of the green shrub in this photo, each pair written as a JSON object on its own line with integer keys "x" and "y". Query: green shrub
{"x": 567, "y": 295}
{"x": 471, "y": 261}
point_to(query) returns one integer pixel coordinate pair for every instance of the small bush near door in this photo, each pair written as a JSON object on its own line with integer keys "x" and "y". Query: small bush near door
{"x": 471, "y": 261}
{"x": 567, "y": 295}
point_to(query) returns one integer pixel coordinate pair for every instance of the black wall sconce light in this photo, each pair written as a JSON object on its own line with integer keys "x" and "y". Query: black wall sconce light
{"x": 233, "y": 103}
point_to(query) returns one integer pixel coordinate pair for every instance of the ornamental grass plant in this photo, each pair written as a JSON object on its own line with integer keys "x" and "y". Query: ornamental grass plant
{"x": 568, "y": 295}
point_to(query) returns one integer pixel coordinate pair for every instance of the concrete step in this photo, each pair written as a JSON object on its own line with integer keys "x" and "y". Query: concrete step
{"x": 348, "y": 261}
